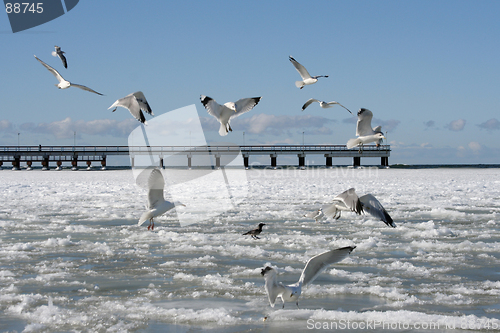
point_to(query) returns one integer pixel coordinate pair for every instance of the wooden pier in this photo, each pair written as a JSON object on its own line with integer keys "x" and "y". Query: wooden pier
{"x": 88, "y": 154}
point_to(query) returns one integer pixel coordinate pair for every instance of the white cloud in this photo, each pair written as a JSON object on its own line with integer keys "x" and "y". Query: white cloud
{"x": 5, "y": 125}
{"x": 490, "y": 125}
{"x": 475, "y": 147}
{"x": 66, "y": 128}
{"x": 276, "y": 125}
{"x": 456, "y": 125}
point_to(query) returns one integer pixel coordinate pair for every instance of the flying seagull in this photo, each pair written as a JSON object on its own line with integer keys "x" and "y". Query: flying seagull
{"x": 313, "y": 268}
{"x": 63, "y": 84}
{"x": 59, "y": 53}
{"x": 157, "y": 205}
{"x": 306, "y": 77}
{"x": 255, "y": 232}
{"x": 364, "y": 131}
{"x": 224, "y": 113}
{"x": 323, "y": 104}
{"x": 349, "y": 201}
{"x": 134, "y": 102}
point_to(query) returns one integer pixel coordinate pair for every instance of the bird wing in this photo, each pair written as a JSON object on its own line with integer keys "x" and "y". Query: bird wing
{"x": 273, "y": 288}
{"x": 309, "y": 102}
{"x": 318, "y": 263}
{"x": 84, "y": 88}
{"x": 375, "y": 208}
{"x": 213, "y": 108}
{"x": 330, "y": 210}
{"x": 301, "y": 69}
{"x": 143, "y": 103}
{"x": 156, "y": 184}
{"x": 333, "y": 103}
{"x": 244, "y": 105}
{"x": 130, "y": 103}
{"x": 364, "y": 124}
{"x": 63, "y": 59}
{"x": 52, "y": 70}
{"x": 351, "y": 200}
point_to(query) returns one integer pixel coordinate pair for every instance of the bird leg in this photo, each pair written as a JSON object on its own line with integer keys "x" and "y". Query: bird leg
{"x": 360, "y": 149}
{"x": 297, "y": 304}
{"x": 151, "y": 224}
{"x": 255, "y": 237}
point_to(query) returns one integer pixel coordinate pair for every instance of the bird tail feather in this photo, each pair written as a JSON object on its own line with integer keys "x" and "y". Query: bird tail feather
{"x": 353, "y": 143}
{"x": 223, "y": 130}
{"x": 299, "y": 84}
{"x": 144, "y": 217}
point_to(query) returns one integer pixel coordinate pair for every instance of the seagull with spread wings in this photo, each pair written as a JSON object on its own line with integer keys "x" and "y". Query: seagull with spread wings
{"x": 323, "y": 104}
{"x": 224, "y": 113}
{"x": 64, "y": 84}
{"x": 134, "y": 102}
{"x": 365, "y": 132}
{"x": 349, "y": 201}
{"x": 304, "y": 74}
{"x": 315, "y": 265}
{"x": 157, "y": 205}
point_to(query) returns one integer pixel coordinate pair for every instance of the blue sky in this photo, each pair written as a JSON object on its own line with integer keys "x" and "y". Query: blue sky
{"x": 428, "y": 70}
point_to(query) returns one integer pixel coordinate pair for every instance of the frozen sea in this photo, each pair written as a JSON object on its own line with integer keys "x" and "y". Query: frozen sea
{"x": 72, "y": 258}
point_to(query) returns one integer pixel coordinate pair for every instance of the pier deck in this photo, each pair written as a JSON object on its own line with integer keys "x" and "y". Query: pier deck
{"x": 74, "y": 154}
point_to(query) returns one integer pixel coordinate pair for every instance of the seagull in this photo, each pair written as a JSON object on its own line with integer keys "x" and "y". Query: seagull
{"x": 364, "y": 130}
{"x": 60, "y": 54}
{"x": 255, "y": 232}
{"x": 313, "y": 268}
{"x": 134, "y": 103}
{"x": 157, "y": 205}
{"x": 317, "y": 215}
{"x": 323, "y": 104}
{"x": 306, "y": 77}
{"x": 63, "y": 84}
{"x": 224, "y": 113}
{"x": 349, "y": 201}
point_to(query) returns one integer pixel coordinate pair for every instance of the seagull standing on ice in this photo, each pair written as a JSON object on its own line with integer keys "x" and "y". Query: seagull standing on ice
{"x": 315, "y": 265}
{"x": 255, "y": 232}
{"x": 323, "y": 104}
{"x": 349, "y": 201}
{"x": 306, "y": 77}
{"x": 157, "y": 205}
{"x": 59, "y": 53}
{"x": 134, "y": 102}
{"x": 63, "y": 84}
{"x": 317, "y": 215}
{"x": 365, "y": 132}
{"x": 224, "y": 113}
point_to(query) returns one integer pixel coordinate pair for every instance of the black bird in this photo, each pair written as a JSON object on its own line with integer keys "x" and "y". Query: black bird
{"x": 255, "y": 232}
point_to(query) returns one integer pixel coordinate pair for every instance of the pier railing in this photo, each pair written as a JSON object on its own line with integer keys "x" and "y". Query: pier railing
{"x": 59, "y": 154}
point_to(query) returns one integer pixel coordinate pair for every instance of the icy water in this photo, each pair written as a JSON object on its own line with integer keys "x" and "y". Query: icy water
{"x": 72, "y": 258}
